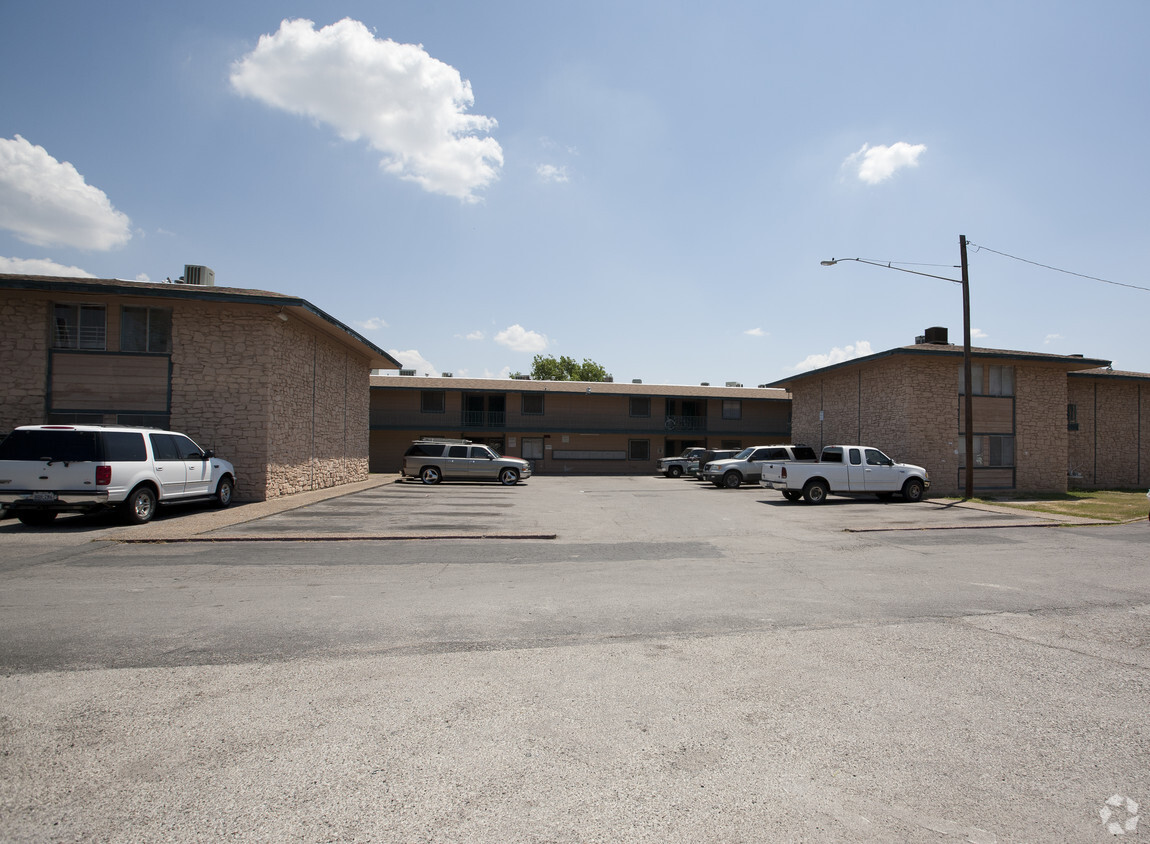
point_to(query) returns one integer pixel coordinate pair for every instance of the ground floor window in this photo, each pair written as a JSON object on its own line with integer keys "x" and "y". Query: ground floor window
{"x": 991, "y": 450}
{"x": 639, "y": 449}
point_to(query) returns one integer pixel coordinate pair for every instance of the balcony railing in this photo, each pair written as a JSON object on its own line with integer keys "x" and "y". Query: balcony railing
{"x": 484, "y": 419}
{"x": 685, "y": 423}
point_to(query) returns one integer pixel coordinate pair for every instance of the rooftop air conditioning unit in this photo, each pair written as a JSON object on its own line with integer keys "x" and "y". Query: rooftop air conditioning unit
{"x": 636, "y": 380}
{"x": 202, "y": 276}
{"x": 937, "y": 336}
{"x": 734, "y": 384}
{"x": 448, "y": 374}
{"x": 407, "y": 372}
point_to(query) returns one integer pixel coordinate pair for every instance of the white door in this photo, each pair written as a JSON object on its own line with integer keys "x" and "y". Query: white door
{"x": 169, "y": 465}
{"x": 198, "y": 468}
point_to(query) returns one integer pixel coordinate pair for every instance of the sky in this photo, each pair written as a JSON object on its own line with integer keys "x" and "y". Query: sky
{"x": 647, "y": 185}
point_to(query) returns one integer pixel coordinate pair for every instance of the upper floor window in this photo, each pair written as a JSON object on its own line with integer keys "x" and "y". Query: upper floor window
{"x": 732, "y": 409}
{"x": 432, "y": 401}
{"x": 640, "y": 406}
{"x": 79, "y": 327}
{"x": 988, "y": 381}
{"x": 145, "y": 329}
{"x": 532, "y": 404}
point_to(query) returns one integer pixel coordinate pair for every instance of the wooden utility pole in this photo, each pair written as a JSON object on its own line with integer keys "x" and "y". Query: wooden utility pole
{"x": 968, "y": 387}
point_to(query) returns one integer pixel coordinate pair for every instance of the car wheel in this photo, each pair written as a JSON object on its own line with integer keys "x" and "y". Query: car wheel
{"x": 36, "y": 518}
{"x": 792, "y": 494}
{"x": 912, "y": 490}
{"x": 224, "y": 492}
{"x": 508, "y": 477}
{"x": 140, "y": 506}
{"x": 675, "y": 471}
{"x": 430, "y": 475}
{"x": 732, "y": 479}
{"x": 815, "y": 492}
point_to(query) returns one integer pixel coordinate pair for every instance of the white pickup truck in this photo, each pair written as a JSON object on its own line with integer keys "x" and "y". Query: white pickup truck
{"x": 846, "y": 470}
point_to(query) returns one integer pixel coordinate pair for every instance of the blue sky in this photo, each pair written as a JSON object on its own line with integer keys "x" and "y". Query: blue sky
{"x": 650, "y": 185}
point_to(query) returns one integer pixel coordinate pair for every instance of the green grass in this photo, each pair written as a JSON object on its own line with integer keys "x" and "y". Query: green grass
{"x": 1104, "y": 504}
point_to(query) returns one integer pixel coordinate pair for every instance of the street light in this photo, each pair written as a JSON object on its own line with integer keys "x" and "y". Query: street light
{"x": 968, "y": 409}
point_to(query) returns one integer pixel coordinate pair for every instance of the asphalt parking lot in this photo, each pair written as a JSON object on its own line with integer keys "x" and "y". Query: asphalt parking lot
{"x": 574, "y": 659}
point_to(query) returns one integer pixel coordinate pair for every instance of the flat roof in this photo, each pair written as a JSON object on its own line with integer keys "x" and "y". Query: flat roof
{"x": 1069, "y": 362}
{"x": 309, "y": 313}
{"x": 519, "y": 385}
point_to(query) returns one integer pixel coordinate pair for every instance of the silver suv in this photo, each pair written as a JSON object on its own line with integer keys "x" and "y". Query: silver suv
{"x": 747, "y": 465}
{"x": 46, "y": 470}
{"x": 431, "y": 460}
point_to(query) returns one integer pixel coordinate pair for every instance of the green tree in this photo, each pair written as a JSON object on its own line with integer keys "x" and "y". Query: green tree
{"x": 548, "y": 368}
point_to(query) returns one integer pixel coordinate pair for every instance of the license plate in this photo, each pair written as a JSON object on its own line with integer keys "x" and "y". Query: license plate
{"x": 43, "y": 496}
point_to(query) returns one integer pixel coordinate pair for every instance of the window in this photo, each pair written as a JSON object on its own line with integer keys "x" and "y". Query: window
{"x": 1071, "y": 417}
{"x": 145, "y": 329}
{"x": 532, "y": 404}
{"x": 432, "y": 401}
{"x": 457, "y": 451}
{"x": 79, "y": 327}
{"x": 990, "y": 451}
{"x": 732, "y": 408}
{"x": 640, "y": 406}
{"x": 638, "y": 449}
{"x": 991, "y": 381}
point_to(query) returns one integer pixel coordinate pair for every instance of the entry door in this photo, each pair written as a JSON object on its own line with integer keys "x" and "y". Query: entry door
{"x": 533, "y": 451}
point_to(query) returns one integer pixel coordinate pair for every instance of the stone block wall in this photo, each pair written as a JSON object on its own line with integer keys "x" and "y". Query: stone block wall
{"x": 24, "y": 325}
{"x": 1040, "y": 444}
{"x": 1111, "y": 447}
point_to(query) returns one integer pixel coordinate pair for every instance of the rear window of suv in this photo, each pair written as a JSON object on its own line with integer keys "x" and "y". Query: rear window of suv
{"x": 62, "y": 446}
{"x": 425, "y": 450}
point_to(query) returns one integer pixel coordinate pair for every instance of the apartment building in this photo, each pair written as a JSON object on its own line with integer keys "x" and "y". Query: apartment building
{"x": 1040, "y": 420}
{"x": 572, "y": 427}
{"x": 268, "y": 381}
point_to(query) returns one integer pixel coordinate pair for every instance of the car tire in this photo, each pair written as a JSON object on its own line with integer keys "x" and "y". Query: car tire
{"x": 140, "y": 506}
{"x": 36, "y": 518}
{"x": 508, "y": 477}
{"x": 224, "y": 491}
{"x": 815, "y": 492}
{"x": 912, "y": 490}
{"x": 675, "y": 472}
{"x": 430, "y": 475}
{"x": 792, "y": 494}
{"x": 732, "y": 479}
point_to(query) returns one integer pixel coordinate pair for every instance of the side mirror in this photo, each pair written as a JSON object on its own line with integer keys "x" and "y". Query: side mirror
{"x": 209, "y": 454}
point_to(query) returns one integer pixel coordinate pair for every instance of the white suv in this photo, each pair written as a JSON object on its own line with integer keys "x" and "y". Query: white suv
{"x": 51, "y": 469}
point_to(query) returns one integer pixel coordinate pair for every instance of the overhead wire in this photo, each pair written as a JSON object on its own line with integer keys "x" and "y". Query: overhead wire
{"x": 977, "y": 247}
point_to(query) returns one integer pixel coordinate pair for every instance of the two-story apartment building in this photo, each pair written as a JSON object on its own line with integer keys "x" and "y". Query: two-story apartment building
{"x": 572, "y": 427}
{"x": 1040, "y": 421}
{"x": 268, "y": 381}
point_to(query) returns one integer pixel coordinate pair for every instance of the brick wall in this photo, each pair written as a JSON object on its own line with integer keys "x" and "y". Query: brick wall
{"x": 1111, "y": 447}
{"x": 1040, "y": 444}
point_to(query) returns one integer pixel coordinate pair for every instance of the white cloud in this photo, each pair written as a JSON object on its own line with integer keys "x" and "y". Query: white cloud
{"x": 408, "y": 105}
{"x": 40, "y": 266}
{"x": 1052, "y": 338}
{"x": 861, "y": 348}
{"x": 474, "y": 335}
{"x": 46, "y": 202}
{"x": 755, "y": 332}
{"x": 412, "y": 359}
{"x": 373, "y": 324}
{"x": 977, "y": 334}
{"x": 551, "y": 173}
{"x": 519, "y": 339}
{"x": 877, "y": 164}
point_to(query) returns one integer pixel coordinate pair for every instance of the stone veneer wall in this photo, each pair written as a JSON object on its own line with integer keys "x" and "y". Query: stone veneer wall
{"x": 906, "y": 406}
{"x": 222, "y": 357}
{"x": 23, "y": 360}
{"x": 1040, "y": 444}
{"x": 1111, "y": 447}
{"x": 319, "y": 402}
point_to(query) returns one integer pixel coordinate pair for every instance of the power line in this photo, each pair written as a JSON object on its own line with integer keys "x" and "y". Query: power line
{"x": 1057, "y": 270}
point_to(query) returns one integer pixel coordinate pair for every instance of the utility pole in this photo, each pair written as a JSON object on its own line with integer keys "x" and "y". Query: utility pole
{"x": 968, "y": 387}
